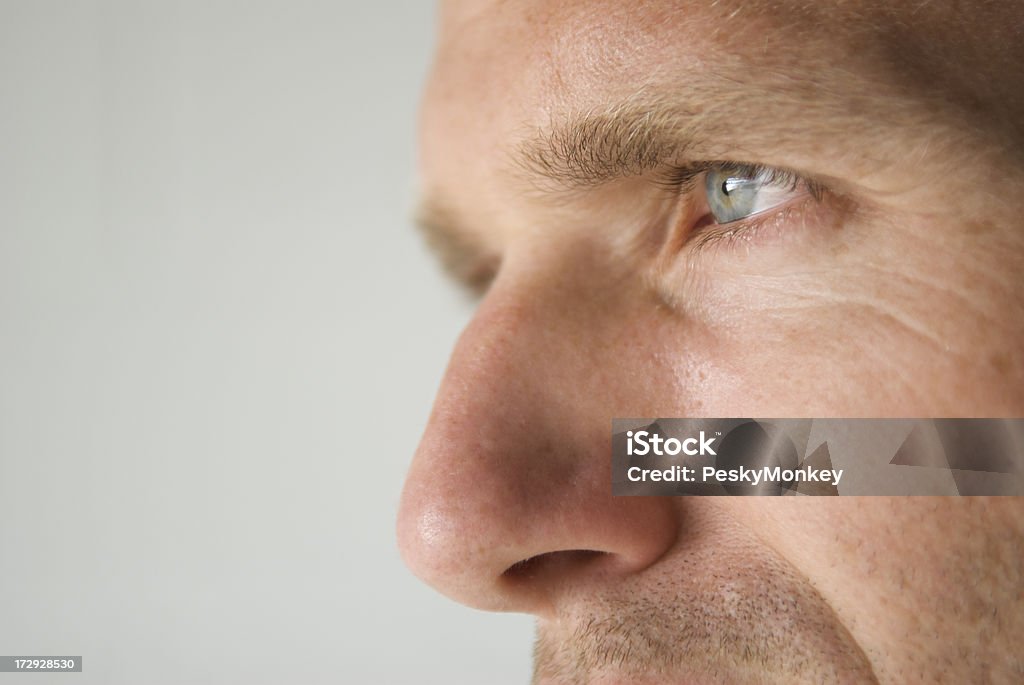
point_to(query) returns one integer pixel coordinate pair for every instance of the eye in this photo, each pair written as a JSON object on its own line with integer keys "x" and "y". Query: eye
{"x": 739, "y": 191}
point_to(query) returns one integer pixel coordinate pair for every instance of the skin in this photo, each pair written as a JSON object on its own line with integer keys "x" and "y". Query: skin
{"x": 896, "y": 292}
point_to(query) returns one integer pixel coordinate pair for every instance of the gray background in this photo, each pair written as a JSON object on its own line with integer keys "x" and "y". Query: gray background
{"x": 219, "y": 341}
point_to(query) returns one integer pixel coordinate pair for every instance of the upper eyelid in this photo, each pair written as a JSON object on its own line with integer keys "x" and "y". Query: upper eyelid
{"x": 683, "y": 178}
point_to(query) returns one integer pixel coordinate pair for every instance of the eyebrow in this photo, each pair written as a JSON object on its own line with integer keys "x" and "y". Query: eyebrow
{"x": 628, "y": 139}
{"x": 736, "y": 114}
{"x": 722, "y": 115}
{"x": 586, "y": 151}
{"x": 462, "y": 258}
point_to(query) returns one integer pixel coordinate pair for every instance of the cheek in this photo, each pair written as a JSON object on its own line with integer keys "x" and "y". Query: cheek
{"x": 895, "y": 589}
{"x": 861, "y": 328}
{"x": 802, "y": 356}
{"x": 829, "y": 361}
{"x": 756, "y": 350}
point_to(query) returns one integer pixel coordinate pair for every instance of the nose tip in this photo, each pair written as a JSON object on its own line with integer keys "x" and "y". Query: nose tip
{"x": 509, "y": 493}
{"x": 515, "y": 552}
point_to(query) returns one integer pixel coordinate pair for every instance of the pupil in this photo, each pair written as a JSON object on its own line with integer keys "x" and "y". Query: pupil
{"x": 725, "y": 187}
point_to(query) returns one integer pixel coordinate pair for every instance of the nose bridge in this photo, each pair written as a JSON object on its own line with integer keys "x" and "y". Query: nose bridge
{"x": 519, "y": 361}
{"x": 528, "y": 368}
{"x": 515, "y": 461}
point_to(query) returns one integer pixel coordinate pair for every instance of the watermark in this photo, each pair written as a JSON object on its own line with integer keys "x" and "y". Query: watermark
{"x": 40, "y": 664}
{"x": 746, "y": 456}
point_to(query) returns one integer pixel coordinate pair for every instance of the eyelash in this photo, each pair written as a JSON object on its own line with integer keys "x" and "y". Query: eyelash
{"x": 684, "y": 178}
{"x": 683, "y": 182}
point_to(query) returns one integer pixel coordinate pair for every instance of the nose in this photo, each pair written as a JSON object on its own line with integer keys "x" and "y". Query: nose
{"x": 508, "y": 500}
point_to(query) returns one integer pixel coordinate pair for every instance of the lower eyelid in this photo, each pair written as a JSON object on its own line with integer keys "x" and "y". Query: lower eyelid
{"x": 785, "y": 223}
{"x": 769, "y": 224}
{"x": 794, "y": 197}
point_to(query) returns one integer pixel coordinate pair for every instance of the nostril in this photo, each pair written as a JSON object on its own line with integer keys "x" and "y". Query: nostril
{"x": 551, "y": 563}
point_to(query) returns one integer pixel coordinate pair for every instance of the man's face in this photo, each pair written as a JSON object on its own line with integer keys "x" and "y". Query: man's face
{"x": 723, "y": 209}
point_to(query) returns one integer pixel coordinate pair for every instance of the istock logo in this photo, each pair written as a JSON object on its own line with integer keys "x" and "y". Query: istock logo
{"x": 642, "y": 443}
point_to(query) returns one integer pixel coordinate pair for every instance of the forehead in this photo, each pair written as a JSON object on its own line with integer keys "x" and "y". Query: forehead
{"x": 562, "y": 48}
{"x": 523, "y": 60}
{"x": 526, "y": 57}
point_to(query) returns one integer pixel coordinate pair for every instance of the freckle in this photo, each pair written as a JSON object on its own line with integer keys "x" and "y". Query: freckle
{"x": 979, "y": 226}
{"x": 1000, "y": 362}
{"x": 839, "y": 249}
